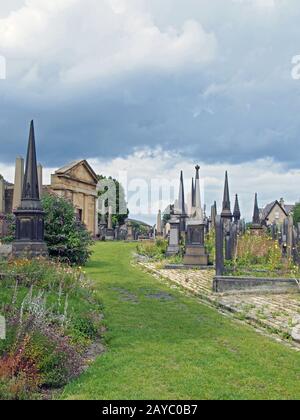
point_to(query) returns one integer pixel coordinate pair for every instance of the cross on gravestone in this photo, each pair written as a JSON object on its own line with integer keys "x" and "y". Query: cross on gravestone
{"x": 219, "y": 246}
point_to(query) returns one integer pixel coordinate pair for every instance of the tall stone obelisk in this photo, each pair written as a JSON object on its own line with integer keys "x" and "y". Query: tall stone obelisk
{"x": 29, "y": 241}
{"x": 195, "y": 252}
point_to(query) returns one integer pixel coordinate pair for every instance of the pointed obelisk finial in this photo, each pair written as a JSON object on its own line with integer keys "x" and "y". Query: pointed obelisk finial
{"x": 237, "y": 211}
{"x": 256, "y": 216}
{"x": 226, "y": 211}
{"x": 181, "y": 198}
{"x": 193, "y": 196}
{"x": 30, "y": 192}
{"x": 198, "y": 205}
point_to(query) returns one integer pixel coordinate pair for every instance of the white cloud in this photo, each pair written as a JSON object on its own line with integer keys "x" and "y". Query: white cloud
{"x": 146, "y": 167}
{"x": 271, "y": 180}
{"x": 74, "y": 41}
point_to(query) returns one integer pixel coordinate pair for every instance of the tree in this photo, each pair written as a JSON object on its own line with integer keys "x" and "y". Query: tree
{"x": 116, "y": 196}
{"x": 66, "y": 237}
{"x": 296, "y": 213}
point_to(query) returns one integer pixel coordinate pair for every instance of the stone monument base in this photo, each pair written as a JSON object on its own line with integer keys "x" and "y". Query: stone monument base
{"x": 256, "y": 230}
{"x": 110, "y": 235}
{"x": 172, "y": 250}
{"x": 23, "y": 249}
{"x": 195, "y": 255}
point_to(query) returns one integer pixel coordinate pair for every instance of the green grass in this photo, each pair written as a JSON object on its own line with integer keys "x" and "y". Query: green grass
{"x": 176, "y": 348}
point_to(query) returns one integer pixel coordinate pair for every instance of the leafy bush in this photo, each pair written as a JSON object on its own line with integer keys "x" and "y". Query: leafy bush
{"x": 52, "y": 317}
{"x": 154, "y": 250}
{"x": 11, "y": 228}
{"x": 258, "y": 250}
{"x": 66, "y": 237}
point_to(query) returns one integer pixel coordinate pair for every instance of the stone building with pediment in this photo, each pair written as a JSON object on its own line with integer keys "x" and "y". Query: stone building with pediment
{"x": 77, "y": 182}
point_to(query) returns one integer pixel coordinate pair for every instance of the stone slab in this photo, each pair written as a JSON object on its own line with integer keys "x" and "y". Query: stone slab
{"x": 226, "y": 284}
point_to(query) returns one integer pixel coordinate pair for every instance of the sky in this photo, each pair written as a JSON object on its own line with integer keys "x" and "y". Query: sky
{"x": 155, "y": 86}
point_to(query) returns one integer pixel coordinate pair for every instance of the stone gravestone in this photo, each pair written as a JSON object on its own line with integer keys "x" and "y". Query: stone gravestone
{"x": 117, "y": 232}
{"x": 195, "y": 253}
{"x": 130, "y": 232}
{"x": 228, "y": 244}
{"x": 110, "y": 233}
{"x": 290, "y": 231}
{"x": 219, "y": 246}
{"x": 174, "y": 236}
{"x": 2, "y": 328}
{"x": 231, "y": 242}
{"x": 284, "y": 237}
{"x": 159, "y": 229}
{"x": 102, "y": 223}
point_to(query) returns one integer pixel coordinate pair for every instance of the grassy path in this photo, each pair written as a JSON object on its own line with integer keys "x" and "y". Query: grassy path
{"x": 163, "y": 345}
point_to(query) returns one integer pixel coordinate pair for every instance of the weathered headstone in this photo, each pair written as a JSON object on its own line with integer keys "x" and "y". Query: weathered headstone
{"x": 159, "y": 230}
{"x": 109, "y": 234}
{"x": 174, "y": 237}
{"x": 226, "y": 214}
{"x": 130, "y": 232}
{"x": 290, "y": 230}
{"x": 195, "y": 253}
{"x": 2, "y": 328}
{"x": 219, "y": 246}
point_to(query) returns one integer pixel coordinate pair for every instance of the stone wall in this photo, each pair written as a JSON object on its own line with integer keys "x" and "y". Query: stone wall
{"x": 223, "y": 284}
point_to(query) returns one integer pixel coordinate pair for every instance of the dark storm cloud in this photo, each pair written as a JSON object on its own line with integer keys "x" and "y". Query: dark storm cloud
{"x": 240, "y": 106}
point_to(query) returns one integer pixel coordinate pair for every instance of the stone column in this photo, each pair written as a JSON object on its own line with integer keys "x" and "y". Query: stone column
{"x": 40, "y": 178}
{"x": 219, "y": 247}
{"x": 290, "y": 229}
{"x": 19, "y": 179}
{"x": 2, "y": 196}
{"x": 110, "y": 234}
{"x": 109, "y": 223}
{"x": 173, "y": 247}
{"x": 159, "y": 224}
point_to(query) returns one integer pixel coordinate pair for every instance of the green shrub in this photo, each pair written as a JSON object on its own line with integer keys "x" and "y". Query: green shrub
{"x": 154, "y": 250}
{"x": 52, "y": 317}
{"x": 66, "y": 237}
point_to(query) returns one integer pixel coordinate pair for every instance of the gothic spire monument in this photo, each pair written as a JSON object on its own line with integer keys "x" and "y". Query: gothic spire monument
{"x": 29, "y": 241}
{"x": 195, "y": 252}
{"x": 193, "y": 204}
{"x": 237, "y": 211}
{"x": 198, "y": 205}
{"x": 256, "y": 216}
{"x": 226, "y": 214}
{"x": 181, "y": 205}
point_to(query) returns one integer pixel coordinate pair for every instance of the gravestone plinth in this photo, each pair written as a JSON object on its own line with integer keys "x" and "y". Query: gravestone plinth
{"x": 130, "y": 233}
{"x": 109, "y": 234}
{"x": 174, "y": 248}
{"x": 195, "y": 254}
{"x": 257, "y": 230}
{"x": 29, "y": 242}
